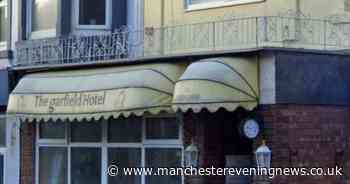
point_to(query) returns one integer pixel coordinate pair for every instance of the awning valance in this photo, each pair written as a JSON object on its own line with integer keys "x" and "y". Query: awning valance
{"x": 95, "y": 93}
{"x": 218, "y": 82}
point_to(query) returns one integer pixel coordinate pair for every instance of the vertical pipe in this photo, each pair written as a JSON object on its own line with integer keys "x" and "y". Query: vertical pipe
{"x": 214, "y": 36}
{"x": 325, "y": 34}
{"x": 297, "y": 6}
{"x": 298, "y": 20}
{"x": 257, "y": 31}
{"x": 162, "y": 6}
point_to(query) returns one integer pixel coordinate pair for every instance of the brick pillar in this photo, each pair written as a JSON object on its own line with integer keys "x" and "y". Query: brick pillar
{"x": 27, "y": 171}
{"x": 210, "y": 131}
{"x": 194, "y": 130}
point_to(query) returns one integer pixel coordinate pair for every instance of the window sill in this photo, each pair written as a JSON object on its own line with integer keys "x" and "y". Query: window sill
{"x": 219, "y": 4}
{"x": 5, "y": 54}
{"x": 91, "y": 32}
{"x": 93, "y": 27}
{"x": 43, "y": 34}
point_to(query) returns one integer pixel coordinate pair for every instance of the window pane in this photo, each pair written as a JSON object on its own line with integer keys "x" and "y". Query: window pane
{"x": 2, "y": 131}
{"x": 92, "y": 12}
{"x": 52, "y": 165}
{"x": 52, "y": 130}
{"x": 86, "y": 131}
{"x": 203, "y": 1}
{"x": 44, "y": 14}
{"x": 162, "y": 128}
{"x": 160, "y": 157}
{"x": 124, "y": 158}
{"x": 125, "y": 130}
{"x": 3, "y": 24}
{"x": 85, "y": 166}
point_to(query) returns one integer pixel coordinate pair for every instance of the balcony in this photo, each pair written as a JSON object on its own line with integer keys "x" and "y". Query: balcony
{"x": 202, "y": 38}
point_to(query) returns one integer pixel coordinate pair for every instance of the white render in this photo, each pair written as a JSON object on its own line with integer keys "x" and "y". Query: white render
{"x": 267, "y": 79}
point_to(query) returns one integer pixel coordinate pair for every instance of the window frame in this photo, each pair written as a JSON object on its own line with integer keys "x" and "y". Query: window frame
{"x": 218, "y": 4}
{"x": 108, "y": 17}
{"x": 48, "y": 140}
{"x": 104, "y": 145}
{"x": 48, "y": 33}
{"x": 160, "y": 141}
{"x": 4, "y": 4}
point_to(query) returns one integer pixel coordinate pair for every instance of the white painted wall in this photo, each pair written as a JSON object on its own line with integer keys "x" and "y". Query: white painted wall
{"x": 12, "y": 161}
{"x": 11, "y": 151}
{"x": 267, "y": 79}
{"x": 135, "y": 23}
{"x": 135, "y": 14}
{"x": 15, "y": 24}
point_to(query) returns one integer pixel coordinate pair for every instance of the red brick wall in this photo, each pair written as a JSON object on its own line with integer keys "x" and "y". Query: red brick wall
{"x": 308, "y": 136}
{"x": 299, "y": 136}
{"x": 27, "y": 153}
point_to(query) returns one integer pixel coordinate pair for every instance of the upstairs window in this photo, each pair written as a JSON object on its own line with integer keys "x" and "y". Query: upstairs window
{"x": 92, "y": 14}
{"x": 42, "y": 18}
{"x": 204, "y": 4}
{"x": 3, "y": 23}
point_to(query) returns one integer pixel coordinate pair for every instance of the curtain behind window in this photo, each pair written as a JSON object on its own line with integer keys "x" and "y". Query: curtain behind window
{"x": 53, "y": 165}
{"x": 163, "y": 158}
{"x": 44, "y": 14}
{"x": 124, "y": 158}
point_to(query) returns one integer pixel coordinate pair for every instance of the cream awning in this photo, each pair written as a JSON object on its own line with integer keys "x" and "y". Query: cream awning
{"x": 218, "y": 82}
{"x": 95, "y": 93}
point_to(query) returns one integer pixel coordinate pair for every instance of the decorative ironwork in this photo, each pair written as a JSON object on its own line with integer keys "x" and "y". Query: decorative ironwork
{"x": 292, "y": 30}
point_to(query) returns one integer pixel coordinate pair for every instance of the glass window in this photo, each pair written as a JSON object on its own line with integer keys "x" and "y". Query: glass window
{"x": 2, "y": 131}
{"x": 203, "y": 1}
{"x": 162, "y": 128}
{"x": 125, "y": 130}
{"x": 3, "y": 22}
{"x": 52, "y": 130}
{"x": 163, "y": 158}
{"x": 52, "y": 165}
{"x": 215, "y": 3}
{"x": 124, "y": 158}
{"x": 92, "y": 12}
{"x": 86, "y": 131}
{"x": 44, "y": 15}
{"x": 124, "y": 144}
{"x": 85, "y": 166}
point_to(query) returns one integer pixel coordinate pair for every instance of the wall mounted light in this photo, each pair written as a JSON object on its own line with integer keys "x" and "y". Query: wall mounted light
{"x": 191, "y": 155}
{"x": 263, "y": 156}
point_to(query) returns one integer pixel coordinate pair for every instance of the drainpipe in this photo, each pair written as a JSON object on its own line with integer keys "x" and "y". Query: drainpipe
{"x": 162, "y": 6}
{"x": 297, "y": 7}
{"x": 298, "y": 14}
{"x": 297, "y": 3}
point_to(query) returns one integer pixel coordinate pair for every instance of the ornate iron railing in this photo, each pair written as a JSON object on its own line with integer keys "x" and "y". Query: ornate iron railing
{"x": 225, "y": 35}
